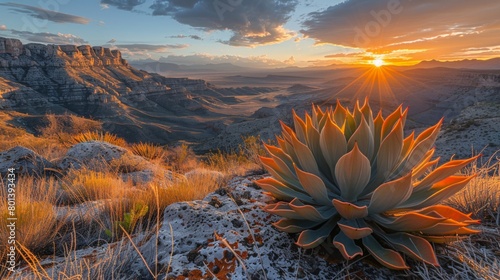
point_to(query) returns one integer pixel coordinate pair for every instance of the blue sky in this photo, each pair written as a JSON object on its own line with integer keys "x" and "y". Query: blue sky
{"x": 270, "y": 33}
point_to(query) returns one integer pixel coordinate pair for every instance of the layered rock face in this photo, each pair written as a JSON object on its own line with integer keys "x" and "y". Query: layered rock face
{"x": 56, "y": 56}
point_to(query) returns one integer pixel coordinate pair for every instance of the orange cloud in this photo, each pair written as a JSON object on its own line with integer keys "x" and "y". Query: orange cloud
{"x": 445, "y": 29}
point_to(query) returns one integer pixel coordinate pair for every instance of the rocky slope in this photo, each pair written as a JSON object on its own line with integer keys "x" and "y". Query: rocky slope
{"x": 96, "y": 82}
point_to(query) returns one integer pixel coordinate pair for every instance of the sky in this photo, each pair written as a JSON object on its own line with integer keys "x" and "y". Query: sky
{"x": 264, "y": 33}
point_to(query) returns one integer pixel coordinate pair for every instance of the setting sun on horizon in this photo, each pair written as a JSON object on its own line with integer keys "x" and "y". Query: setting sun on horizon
{"x": 378, "y": 62}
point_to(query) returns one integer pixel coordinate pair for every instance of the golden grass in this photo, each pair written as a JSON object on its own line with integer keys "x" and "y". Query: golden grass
{"x": 98, "y": 136}
{"x": 481, "y": 196}
{"x": 36, "y": 224}
{"x": 149, "y": 151}
{"x": 87, "y": 185}
{"x": 241, "y": 161}
{"x": 62, "y": 127}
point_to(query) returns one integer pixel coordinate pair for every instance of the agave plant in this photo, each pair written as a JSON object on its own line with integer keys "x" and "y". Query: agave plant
{"x": 354, "y": 181}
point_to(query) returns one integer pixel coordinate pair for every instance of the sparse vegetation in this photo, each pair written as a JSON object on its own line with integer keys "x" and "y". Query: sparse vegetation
{"x": 98, "y": 136}
{"x": 481, "y": 197}
{"x": 238, "y": 162}
{"x": 149, "y": 151}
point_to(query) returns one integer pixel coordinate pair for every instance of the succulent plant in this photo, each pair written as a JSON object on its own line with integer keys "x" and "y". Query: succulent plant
{"x": 355, "y": 181}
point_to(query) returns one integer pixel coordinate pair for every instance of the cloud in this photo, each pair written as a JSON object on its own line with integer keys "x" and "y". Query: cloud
{"x": 3, "y": 27}
{"x": 44, "y": 14}
{"x": 252, "y": 23}
{"x": 339, "y": 55}
{"x": 261, "y": 61}
{"x": 128, "y": 5}
{"x": 290, "y": 61}
{"x": 142, "y": 51}
{"x": 443, "y": 28}
{"x": 150, "y": 48}
{"x": 195, "y": 37}
{"x": 104, "y": 6}
{"x": 50, "y": 38}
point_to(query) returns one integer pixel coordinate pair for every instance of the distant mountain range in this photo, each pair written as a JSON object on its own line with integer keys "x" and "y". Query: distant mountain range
{"x": 162, "y": 67}
{"x": 166, "y": 67}
{"x": 489, "y": 64}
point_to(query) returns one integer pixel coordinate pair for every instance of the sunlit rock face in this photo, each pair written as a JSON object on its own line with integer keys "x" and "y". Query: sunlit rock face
{"x": 57, "y": 56}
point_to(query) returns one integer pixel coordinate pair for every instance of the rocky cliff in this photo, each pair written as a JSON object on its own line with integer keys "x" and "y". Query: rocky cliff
{"x": 68, "y": 73}
{"x": 15, "y": 54}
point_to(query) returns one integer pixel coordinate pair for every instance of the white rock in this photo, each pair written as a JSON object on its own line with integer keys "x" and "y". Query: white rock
{"x": 24, "y": 161}
{"x": 88, "y": 153}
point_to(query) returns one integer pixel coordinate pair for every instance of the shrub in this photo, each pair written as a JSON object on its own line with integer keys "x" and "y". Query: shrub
{"x": 481, "y": 196}
{"x": 87, "y": 185}
{"x": 355, "y": 181}
{"x": 36, "y": 226}
{"x": 149, "y": 151}
{"x": 253, "y": 149}
{"x": 98, "y": 136}
{"x": 64, "y": 127}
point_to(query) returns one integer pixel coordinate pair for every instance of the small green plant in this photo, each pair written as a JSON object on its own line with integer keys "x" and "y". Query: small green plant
{"x": 351, "y": 180}
{"x": 129, "y": 221}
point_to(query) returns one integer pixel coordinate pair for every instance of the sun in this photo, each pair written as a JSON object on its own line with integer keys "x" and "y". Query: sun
{"x": 378, "y": 62}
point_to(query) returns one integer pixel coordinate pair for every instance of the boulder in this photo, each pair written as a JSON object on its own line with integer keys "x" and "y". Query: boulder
{"x": 24, "y": 161}
{"x": 101, "y": 156}
{"x": 91, "y": 154}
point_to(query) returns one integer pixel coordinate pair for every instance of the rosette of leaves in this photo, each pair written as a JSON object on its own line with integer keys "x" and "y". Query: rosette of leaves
{"x": 353, "y": 180}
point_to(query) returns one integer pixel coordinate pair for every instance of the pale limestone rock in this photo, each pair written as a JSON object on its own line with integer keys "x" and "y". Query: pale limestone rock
{"x": 91, "y": 154}
{"x": 24, "y": 161}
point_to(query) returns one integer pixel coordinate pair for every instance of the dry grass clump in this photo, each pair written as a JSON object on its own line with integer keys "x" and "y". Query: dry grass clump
{"x": 11, "y": 136}
{"x": 481, "y": 196}
{"x": 87, "y": 185}
{"x": 98, "y": 136}
{"x": 240, "y": 161}
{"x": 63, "y": 127}
{"x": 36, "y": 224}
{"x": 149, "y": 151}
